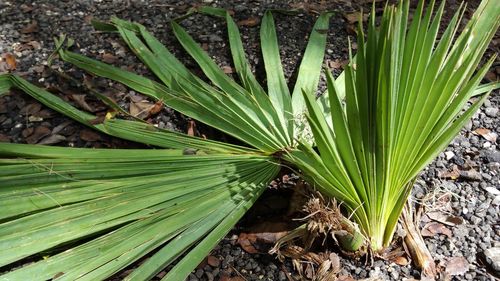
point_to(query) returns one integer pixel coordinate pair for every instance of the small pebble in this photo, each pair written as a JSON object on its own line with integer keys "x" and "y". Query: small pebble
{"x": 491, "y": 111}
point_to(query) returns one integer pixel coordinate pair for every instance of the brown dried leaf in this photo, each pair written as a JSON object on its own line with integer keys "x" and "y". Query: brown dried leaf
{"x": 34, "y": 44}
{"x": 401, "y": 260}
{"x": 262, "y": 236}
{"x": 61, "y": 126}
{"x": 39, "y": 133}
{"x": 213, "y": 261}
{"x": 52, "y": 139}
{"x": 136, "y": 98}
{"x": 109, "y": 58}
{"x": 434, "y": 228}
{"x": 337, "y": 64}
{"x": 453, "y": 174}
{"x": 449, "y": 220}
{"x": 10, "y": 61}
{"x": 80, "y": 100}
{"x": 140, "y": 109}
{"x": 457, "y": 266}
{"x": 245, "y": 241}
{"x": 158, "y": 106}
{"x": 30, "y": 28}
{"x": 88, "y": 135}
{"x": 351, "y": 29}
{"x": 27, "y": 132}
{"x": 191, "y": 128}
{"x": 227, "y": 69}
{"x": 486, "y": 134}
{"x": 481, "y": 131}
{"x": 30, "y": 109}
{"x": 252, "y": 21}
{"x": 354, "y": 17}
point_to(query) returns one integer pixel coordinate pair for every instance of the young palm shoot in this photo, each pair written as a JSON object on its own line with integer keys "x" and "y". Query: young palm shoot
{"x": 407, "y": 95}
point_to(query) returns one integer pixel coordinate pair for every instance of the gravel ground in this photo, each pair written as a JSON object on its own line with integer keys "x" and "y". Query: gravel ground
{"x": 463, "y": 182}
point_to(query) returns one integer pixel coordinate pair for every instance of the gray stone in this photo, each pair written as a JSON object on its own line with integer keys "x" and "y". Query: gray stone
{"x": 475, "y": 220}
{"x": 486, "y": 176}
{"x": 240, "y": 8}
{"x": 449, "y": 186}
{"x": 215, "y": 272}
{"x": 199, "y": 273}
{"x": 492, "y": 256}
{"x": 491, "y": 111}
{"x": 215, "y": 38}
{"x": 493, "y": 156}
{"x": 395, "y": 274}
{"x": 248, "y": 266}
{"x": 210, "y": 276}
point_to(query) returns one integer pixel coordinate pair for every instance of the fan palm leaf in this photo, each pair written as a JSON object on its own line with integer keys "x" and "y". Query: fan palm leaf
{"x": 264, "y": 121}
{"x": 405, "y": 97}
{"x": 85, "y": 214}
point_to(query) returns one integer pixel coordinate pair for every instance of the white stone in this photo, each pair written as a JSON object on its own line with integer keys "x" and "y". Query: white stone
{"x": 493, "y": 258}
{"x": 449, "y": 155}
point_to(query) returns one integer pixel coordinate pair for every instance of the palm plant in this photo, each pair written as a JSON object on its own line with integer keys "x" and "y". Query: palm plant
{"x": 397, "y": 105}
{"x": 404, "y": 94}
{"x": 153, "y": 200}
{"x": 87, "y": 213}
{"x": 265, "y": 121}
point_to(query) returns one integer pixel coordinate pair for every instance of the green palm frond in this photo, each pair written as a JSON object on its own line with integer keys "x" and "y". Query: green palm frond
{"x": 158, "y": 200}
{"x": 85, "y": 214}
{"x": 263, "y": 120}
{"x": 405, "y": 94}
